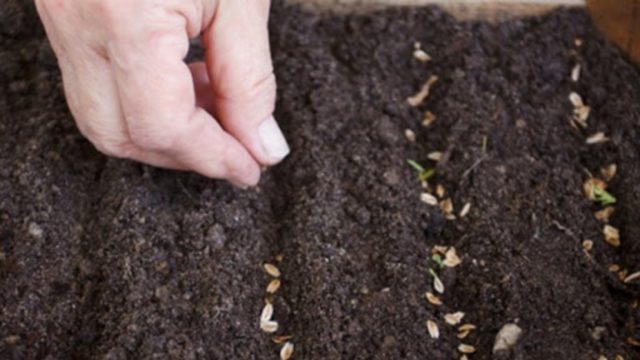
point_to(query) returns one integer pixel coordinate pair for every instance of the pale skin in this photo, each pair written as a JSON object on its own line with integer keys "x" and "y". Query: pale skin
{"x": 133, "y": 96}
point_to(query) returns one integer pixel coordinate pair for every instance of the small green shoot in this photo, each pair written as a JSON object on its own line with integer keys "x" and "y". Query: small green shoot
{"x": 433, "y": 273}
{"x": 438, "y": 260}
{"x": 423, "y": 174}
{"x": 602, "y": 196}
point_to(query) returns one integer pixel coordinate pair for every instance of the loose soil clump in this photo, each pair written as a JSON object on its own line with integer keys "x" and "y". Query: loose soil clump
{"x": 106, "y": 258}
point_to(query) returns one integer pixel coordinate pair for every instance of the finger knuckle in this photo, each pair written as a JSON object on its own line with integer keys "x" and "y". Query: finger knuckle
{"x": 154, "y": 139}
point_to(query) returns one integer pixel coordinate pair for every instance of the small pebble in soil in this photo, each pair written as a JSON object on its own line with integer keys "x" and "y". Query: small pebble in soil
{"x": 507, "y": 338}
{"x": 35, "y": 230}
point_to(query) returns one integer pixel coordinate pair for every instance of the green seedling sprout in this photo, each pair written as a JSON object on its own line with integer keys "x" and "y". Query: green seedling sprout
{"x": 438, "y": 260}
{"x": 433, "y": 273}
{"x": 423, "y": 174}
{"x": 602, "y": 196}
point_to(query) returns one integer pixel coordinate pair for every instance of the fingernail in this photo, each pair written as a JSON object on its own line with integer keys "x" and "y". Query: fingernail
{"x": 272, "y": 139}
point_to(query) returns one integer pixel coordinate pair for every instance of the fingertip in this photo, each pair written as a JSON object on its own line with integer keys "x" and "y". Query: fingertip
{"x": 274, "y": 146}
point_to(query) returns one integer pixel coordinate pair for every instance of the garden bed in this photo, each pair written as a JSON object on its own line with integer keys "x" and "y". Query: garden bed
{"x": 109, "y": 258}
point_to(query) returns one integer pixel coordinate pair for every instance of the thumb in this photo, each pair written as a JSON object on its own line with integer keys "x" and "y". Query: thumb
{"x": 239, "y": 64}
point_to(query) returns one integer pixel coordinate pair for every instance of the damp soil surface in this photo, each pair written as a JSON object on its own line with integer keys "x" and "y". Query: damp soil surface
{"x": 107, "y": 258}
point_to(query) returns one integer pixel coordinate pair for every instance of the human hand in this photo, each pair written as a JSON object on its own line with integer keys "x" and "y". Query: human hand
{"x": 133, "y": 96}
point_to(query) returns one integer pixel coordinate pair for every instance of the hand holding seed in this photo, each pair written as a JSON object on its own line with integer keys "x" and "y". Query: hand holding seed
{"x": 133, "y": 96}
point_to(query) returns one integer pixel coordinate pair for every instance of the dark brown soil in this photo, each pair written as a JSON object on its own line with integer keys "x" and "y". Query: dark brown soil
{"x": 106, "y": 258}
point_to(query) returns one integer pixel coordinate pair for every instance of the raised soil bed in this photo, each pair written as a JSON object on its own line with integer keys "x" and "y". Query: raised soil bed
{"x": 106, "y": 258}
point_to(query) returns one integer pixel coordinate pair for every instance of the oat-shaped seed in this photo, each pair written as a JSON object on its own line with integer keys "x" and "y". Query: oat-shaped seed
{"x": 575, "y": 73}
{"x": 269, "y": 326}
{"x": 451, "y": 258}
{"x": 438, "y": 285}
{"x": 597, "y": 138}
{"x": 267, "y": 312}
{"x": 581, "y": 115}
{"x": 428, "y": 118}
{"x": 440, "y": 191}
{"x": 604, "y": 214}
{"x": 435, "y": 155}
{"x": 454, "y": 318}
{"x": 614, "y": 268}
{"x": 608, "y": 172}
{"x": 273, "y": 286}
{"x": 466, "y": 327}
{"x": 619, "y": 357}
{"x": 424, "y": 91}
{"x": 434, "y": 332}
{"x": 622, "y": 274}
{"x": 611, "y": 235}
{"x": 466, "y": 349}
{"x": 446, "y": 206}
{"x": 428, "y": 199}
{"x": 576, "y": 100}
{"x": 633, "y": 342}
{"x": 272, "y": 270}
{"x": 279, "y": 339}
{"x": 421, "y": 55}
{"x": 450, "y": 217}
{"x": 463, "y": 334}
{"x": 287, "y": 351}
{"x": 279, "y": 257}
{"x": 410, "y": 135}
{"x": 464, "y": 357}
{"x": 465, "y": 210}
{"x": 433, "y": 299}
{"x": 439, "y": 249}
{"x": 587, "y": 245}
{"x": 633, "y": 278}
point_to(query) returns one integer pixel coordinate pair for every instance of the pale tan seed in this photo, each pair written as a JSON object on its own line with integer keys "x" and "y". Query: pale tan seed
{"x": 633, "y": 278}
{"x": 435, "y": 156}
{"x": 273, "y": 286}
{"x": 466, "y": 327}
{"x": 604, "y": 214}
{"x": 619, "y": 357}
{"x": 272, "y": 270}
{"x": 465, "y": 210}
{"x": 287, "y": 351}
{"x": 602, "y": 357}
{"x": 439, "y": 249}
{"x": 428, "y": 199}
{"x": 581, "y": 115}
{"x": 608, "y": 172}
{"x": 446, "y": 206}
{"x": 578, "y": 42}
{"x": 450, "y": 217}
{"x": 466, "y": 349}
{"x": 438, "y": 285}
{"x": 463, "y": 334}
{"x": 464, "y": 357}
{"x": 454, "y": 318}
{"x": 269, "y": 326}
{"x": 587, "y": 245}
{"x": 281, "y": 339}
{"x": 428, "y": 118}
{"x": 433, "y": 299}
{"x": 434, "y": 332}
{"x": 622, "y": 274}
{"x": 575, "y": 99}
{"x": 440, "y": 191}
{"x": 417, "y": 45}
{"x": 410, "y": 135}
{"x": 633, "y": 342}
{"x": 267, "y": 312}
{"x": 614, "y": 268}
{"x": 451, "y": 258}
{"x": 597, "y": 138}
{"x": 611, "y": 235}
{"x": 279, "y": 257}
{"x": 575, "y": 73}
{"x": 421, "y": 55}
{"x": 424, "y": 91}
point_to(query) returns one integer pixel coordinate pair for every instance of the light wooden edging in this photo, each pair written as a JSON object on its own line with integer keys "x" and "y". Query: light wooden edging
{"x": 461, "y": 9}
